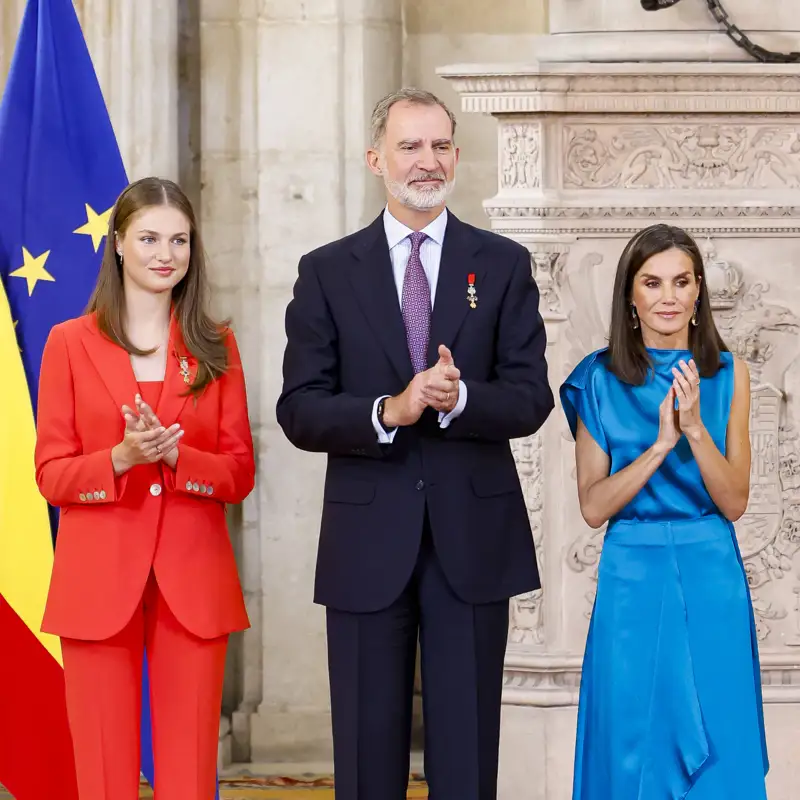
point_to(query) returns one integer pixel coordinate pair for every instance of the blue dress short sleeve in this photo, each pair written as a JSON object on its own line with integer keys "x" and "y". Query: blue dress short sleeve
{"x": 578, "y": 396}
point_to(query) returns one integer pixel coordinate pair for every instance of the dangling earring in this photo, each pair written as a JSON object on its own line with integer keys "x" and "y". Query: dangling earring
{"x": 694, "y": 315}
{"x": 634, "y": 317}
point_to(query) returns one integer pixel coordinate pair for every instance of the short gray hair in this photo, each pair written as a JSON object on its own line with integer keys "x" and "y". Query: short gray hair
{"x": 411, "y": 95}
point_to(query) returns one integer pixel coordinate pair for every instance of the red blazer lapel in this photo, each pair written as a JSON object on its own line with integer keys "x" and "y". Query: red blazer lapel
{"x": 113, "y": 365}
{"x": 180, "y": 372}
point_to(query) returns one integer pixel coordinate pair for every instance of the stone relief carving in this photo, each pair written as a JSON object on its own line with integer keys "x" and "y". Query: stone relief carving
{"x": 663, "y": 92}
{"x": 521, "y": 162}
{"x": 691, "y": 156}
{"x": 527, "y": 621}
{"x": 547, "y": 264}
{"x": 769, "y": 532}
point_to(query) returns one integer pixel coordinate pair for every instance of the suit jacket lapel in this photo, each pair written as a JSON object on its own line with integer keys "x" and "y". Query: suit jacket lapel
{"x": 451, "y": 306}
{"x": 373, "y": 283}
{"x": 113, "y": 365}
{"x": 174, "y": 393}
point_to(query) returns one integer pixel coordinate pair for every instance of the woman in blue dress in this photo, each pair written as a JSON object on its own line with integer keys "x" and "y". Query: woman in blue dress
{"x": 670, "y": 701}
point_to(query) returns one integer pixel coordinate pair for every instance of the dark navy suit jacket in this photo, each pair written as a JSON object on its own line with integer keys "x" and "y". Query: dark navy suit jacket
{"x": 346, "y": 347}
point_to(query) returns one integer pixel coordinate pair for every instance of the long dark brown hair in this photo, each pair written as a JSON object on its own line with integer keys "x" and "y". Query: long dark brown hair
{"x": 202, "y": 336}
{"x": 628, "y": 357}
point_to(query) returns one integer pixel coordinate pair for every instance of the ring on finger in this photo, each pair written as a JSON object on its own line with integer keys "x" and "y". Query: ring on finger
{"x": 158, "y": 448}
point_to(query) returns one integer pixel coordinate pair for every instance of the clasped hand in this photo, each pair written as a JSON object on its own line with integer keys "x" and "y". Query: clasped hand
{"x": 146, "y": 440}
{"x": 436, "y": 388}
{"x": 685, "y": 419}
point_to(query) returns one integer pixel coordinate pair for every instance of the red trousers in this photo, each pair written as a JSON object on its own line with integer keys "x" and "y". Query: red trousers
{"x": 104, "y": 687}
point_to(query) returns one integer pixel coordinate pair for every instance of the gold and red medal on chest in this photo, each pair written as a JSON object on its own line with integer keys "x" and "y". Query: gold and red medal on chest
{"x": 472, "y": 296}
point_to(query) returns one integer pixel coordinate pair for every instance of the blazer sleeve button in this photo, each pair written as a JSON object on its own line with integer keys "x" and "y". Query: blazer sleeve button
{"x": 188, "y": 486}
{"x": 82, "y": 497}
{"x": 210, "y": 490}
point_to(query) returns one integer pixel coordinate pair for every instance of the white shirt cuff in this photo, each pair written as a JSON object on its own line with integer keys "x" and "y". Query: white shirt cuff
{"x": 383, "y": 436}
{"x": 446, "y": 419}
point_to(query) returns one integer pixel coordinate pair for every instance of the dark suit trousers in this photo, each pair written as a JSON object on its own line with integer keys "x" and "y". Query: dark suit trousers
{"x": 371, "y": 659}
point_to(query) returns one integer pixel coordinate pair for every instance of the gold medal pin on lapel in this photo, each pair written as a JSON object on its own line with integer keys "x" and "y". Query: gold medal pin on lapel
{"x": 184, "y": 362}
{"x": 472, "y": 297}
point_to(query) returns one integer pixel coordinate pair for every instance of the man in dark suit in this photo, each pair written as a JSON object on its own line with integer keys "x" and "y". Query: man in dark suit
{"x": 415, "y": 353}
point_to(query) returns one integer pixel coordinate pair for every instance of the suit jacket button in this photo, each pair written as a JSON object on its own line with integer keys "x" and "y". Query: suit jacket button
{"x": 203, "y": 488}
{"x": 420, "y": 485}
{"x": 188, "y": 486}
{"x": 196, "y": 487}
{"x": 211, "y": 490}
{"x": 96, "y": 495}
{"x": 82, "y": 497}
{"x": 155, "y": 489}
{"x": 103, "y": 495}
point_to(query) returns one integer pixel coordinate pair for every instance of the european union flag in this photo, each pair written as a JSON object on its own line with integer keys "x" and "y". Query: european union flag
{"x": 60, "y": 174}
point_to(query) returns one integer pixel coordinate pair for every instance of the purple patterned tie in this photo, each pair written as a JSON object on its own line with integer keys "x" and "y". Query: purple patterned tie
{"x": 417, "y": 305}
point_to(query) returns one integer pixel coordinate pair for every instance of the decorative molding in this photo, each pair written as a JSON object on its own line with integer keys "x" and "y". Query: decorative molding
{"x": 547, "y": 267}
{"x": 548, "y": 680}
{"x": 724, "y": 280}
{"x": 566, "y": 89}
{"x": 520, "y": 156}
{"x": 497, "y": 211}
{"x": 527, "y": 612}
{"x": 621, "y": 220}
{"x": 681, "y": 156}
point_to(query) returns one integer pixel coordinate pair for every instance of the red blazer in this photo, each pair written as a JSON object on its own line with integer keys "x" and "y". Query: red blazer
{"x": 113, "y": 530}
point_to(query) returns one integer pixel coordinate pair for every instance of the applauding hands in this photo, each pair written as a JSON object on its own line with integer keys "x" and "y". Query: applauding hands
{"x": 685, "y": 419}
{"x": 436, "y": 387}
{"x": 146, "y": 440}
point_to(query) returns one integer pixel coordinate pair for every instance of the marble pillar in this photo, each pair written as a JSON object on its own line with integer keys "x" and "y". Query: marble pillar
{"x": 288, "y": 89}
{"x": 589, "y": 152}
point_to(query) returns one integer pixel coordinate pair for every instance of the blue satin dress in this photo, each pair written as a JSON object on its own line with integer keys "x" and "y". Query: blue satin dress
{"x": 670, "y": 698}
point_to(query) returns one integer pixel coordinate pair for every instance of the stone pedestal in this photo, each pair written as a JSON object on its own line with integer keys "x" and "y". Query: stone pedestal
{"x": 621, "y": 30}
{"x": 588, "y": 154}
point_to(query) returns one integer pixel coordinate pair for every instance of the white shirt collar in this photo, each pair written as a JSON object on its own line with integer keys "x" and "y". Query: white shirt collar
{"x": 396, "y": 231}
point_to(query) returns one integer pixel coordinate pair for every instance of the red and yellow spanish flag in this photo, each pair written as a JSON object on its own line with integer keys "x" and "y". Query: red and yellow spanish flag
{"x": 36, "y": 758}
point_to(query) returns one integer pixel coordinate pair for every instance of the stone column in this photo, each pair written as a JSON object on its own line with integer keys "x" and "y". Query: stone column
{"x": 287, "y": 93}
{"x": 134, "y": 50}
{"x": 589, "y": 153}
{"x": 10, "y": 19}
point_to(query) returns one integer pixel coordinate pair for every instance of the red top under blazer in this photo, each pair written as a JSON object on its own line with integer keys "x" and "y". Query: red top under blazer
{"x": 113, "y": 530}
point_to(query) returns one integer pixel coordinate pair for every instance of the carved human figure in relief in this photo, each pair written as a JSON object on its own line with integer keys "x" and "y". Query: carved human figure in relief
{"x": 670, "y": 702}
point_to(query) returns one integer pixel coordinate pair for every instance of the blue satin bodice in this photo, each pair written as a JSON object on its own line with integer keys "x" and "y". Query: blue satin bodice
{"x": 629, "y": 425}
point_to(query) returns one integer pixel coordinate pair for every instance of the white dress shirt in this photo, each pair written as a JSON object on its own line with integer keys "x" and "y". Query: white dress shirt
{"x": 430, "y": 253}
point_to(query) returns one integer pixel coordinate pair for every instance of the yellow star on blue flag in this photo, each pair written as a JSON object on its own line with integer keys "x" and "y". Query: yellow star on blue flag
{"x": 96, "y": 225}
{"x": 32, "y": 270}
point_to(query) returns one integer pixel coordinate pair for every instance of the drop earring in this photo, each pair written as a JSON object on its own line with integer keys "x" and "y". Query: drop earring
{"x": 694, "y": 315}
{"x": 634, "y": 317}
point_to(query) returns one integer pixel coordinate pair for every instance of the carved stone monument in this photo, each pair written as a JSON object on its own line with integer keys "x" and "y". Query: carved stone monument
{"x": 589, "y": 153}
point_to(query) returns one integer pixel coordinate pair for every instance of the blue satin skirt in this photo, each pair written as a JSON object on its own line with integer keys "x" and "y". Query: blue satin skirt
{"x": 670, "y": 702}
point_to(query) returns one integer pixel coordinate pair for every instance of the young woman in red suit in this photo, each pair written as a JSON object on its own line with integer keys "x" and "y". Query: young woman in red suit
{"x": 143, "y": 438}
